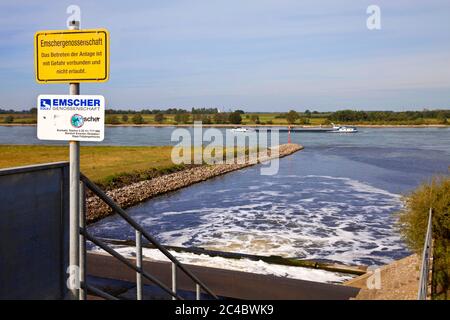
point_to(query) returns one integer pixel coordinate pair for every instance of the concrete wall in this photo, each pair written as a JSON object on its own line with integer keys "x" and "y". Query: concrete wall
{"x": 225, "y": 283}
{"x": 34, "y": 238}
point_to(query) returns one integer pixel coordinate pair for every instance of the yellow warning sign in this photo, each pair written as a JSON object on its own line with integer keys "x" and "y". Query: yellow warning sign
{"x": 71, "y": 56}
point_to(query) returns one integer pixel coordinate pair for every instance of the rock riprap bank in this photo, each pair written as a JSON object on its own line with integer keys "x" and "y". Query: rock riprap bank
{"x": 135, "y": 193}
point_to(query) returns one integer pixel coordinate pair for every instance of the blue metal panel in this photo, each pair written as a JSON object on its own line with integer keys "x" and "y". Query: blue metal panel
{"x": 34, "y": 232}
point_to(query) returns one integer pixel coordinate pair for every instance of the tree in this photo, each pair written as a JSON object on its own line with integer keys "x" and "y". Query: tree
{"x": 305, "y": 121}
{"x": 177, "y": 118}
{"x": 159, "y": 117}
{"x": 181, "y": 118}
{"x": 413, "y": 220}
{"x": 185, "y": 118}
{"x": 255, "y": 118}
{"x": 220, "y": 118}
{"x": 240, "y": 111}
{"x": 206, "y": 119}
{"x": 137, "y": 119}
{"x": 111, "y": 119}
{"x": 204, "y": 110}
{"x": 442, "y": 118}
{"x": 8, "y": 119}
{"x": 349, "y": 116}
{"x": 308, "y": 113}
{"x": 292, "y": 116}
{"x": 235, "y": 118}
{"x": 125, "y": 118}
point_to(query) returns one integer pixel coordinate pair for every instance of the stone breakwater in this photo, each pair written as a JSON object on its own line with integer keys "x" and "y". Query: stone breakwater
{"x": 140, "y": 191}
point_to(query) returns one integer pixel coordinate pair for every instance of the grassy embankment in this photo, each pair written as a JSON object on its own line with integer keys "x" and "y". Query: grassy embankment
{"x": 108, "y": 166}
{"x": 28, "y": 118}
{"x": 264, "y": 118}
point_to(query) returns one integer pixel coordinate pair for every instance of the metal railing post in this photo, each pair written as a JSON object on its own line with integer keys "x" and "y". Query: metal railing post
{"x": 174, "y": 279}
{"x": 82, "y": 249}
{"x": 138, "y": 265}
{"x": 175, "y": 263}
{"x": 197, "y": 291}
{"x": 74, "y": 205}
{"x": 426, "y": 256}
{"x": 125, "y": 261}
{"x": 74, "y": 224}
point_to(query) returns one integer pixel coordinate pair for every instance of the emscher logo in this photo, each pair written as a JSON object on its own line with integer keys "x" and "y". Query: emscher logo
{"x": 78, "y": 120}
{"x": 46, "y": 104}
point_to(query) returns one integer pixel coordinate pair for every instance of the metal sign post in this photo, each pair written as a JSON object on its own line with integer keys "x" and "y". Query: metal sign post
{"x": 72, "y": 56}
{"x": 74, "y": 182}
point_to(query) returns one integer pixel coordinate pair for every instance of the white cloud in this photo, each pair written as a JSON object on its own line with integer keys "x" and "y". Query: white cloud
{"x": 254, "y": 52}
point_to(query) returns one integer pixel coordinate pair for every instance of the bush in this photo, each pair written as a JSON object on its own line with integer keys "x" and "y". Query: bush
{"x": 220, "y": 118}
{"x": 137, "y": 119}
{"x": 159, "y": 117}
{"x": 112, "y": 120}
{"x": 235, "y": 118}
{"x": 255, "y": 118}
{"x": 8, "y": 119}
{"x": 413, "y": 221}
{"x": 305, "y": 121}
{"x": 125, "y": 118}
{"x": 182, "y": 118}
{"x": 292, "y": 116}
{"x": 206, "y": 119}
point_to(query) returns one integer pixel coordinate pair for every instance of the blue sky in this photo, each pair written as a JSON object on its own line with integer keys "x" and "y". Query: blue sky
{"x": 256, "y": 55}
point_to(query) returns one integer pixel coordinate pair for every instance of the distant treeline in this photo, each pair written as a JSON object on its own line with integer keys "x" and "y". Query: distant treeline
{"x": 4, "y": 111}
{"x": 214, "y": 116}
{"x": 388, "y": 116}
{"x": 164, "y": 111}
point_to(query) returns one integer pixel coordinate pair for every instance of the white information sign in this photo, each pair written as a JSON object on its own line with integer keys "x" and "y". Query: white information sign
{"x": 71, "y": 117}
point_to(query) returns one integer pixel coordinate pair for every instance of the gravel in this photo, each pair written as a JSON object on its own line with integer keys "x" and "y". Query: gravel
{"x": 141, "y": 191}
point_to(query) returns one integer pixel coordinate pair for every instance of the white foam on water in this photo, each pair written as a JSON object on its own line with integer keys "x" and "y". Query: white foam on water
{"x": 246, "y": 265}
{"x": 320, "y": 217}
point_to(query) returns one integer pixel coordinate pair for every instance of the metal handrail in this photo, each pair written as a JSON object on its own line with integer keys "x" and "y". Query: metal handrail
{"x": 122, "y": 259}
{"x": 141, "y": 231}
{"x": 426, "y": 257}
{"x": 98, "y": 292}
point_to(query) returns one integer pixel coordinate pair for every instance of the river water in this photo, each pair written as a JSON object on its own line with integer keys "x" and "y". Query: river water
{"x": 333, "y": 201}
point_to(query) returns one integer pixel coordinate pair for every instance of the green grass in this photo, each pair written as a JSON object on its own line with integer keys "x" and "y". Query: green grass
{"x": 265, "y": 118}
{"x": 22, "y": 118}
{"x": 101, "y": 164}
{"x": 108, "y": 166}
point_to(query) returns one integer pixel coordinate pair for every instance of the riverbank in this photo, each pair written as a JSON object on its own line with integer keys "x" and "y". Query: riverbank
{"x": 108, "y": 166}
{"x": 135, "y": 193}
{"x": 398, "y": 280}
{"x": 251, "y": 125}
